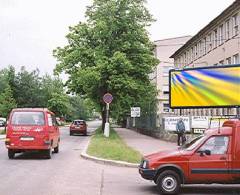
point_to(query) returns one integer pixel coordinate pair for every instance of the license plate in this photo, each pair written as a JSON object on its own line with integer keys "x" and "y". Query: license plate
{"x": 27, "y": 138}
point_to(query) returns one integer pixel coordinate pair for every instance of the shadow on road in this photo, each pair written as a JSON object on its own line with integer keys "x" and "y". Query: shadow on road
{"x": 212, "y": 189}
{"x": 199, "y": 190}
{"x": 30, "y": 156}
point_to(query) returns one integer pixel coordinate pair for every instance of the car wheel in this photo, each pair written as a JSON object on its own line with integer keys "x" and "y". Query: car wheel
{"x": 168, "y": 182}
{"x": 56, "y": 149}
{"x": 11, "y": 154}
{"x": 48, "y": 153}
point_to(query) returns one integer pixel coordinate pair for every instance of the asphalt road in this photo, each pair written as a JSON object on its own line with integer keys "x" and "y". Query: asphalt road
{"x": 68, "y": 174}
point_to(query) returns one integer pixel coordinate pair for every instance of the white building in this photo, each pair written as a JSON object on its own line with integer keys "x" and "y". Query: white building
{"x": 218, "y": 43}
{"x": 164, "y": 49}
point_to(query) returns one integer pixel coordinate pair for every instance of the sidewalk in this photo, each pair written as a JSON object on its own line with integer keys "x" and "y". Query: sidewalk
{"x": 142, "y": 143}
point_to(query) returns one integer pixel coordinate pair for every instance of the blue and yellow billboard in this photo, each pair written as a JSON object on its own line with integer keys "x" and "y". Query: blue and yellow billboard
{"x": 205, "y": 87}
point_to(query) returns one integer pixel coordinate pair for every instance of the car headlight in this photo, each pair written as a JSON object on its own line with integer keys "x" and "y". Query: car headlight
{"x": 145, "y": 164}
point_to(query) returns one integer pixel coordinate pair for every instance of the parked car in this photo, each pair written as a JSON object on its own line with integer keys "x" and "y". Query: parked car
{"x": 2, "y": 122}
{"x": 31, "y": 129}
{"x": 211, "y": 158}
{"x": 79, "y": 127}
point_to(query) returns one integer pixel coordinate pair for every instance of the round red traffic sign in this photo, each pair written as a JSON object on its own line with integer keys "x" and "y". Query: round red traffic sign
{"x": 107, "y": 98}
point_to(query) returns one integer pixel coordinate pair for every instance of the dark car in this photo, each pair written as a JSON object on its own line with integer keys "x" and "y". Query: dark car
{"x": 2, "y": 123}
{"x": 78, "y": 127}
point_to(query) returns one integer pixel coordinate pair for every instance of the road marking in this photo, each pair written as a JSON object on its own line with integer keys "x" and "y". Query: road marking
{"x": 102, "y": 182}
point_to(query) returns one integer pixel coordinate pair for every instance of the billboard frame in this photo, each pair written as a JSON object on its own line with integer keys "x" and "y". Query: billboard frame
{"x": 197, "y": 68}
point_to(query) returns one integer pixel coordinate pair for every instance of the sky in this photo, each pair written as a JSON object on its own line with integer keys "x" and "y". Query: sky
{"x": 31, "y": 29}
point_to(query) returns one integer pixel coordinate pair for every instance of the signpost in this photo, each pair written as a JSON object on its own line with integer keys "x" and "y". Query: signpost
{"x": 135, "y": 112}
{"x": 107, "y": 98}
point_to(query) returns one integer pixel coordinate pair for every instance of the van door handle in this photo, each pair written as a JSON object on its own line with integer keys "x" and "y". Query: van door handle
{"x": 223, "y": 158}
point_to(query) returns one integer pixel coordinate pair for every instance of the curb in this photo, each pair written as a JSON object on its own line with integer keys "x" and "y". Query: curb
{"x": 105, "y": 161}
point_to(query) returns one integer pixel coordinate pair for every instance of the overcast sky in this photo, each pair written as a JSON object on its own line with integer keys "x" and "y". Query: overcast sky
{"x": 31, "y": 29}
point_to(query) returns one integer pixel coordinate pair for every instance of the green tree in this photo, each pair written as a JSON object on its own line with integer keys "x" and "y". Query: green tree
{"x": 59, "y": 104}
{"x": 7, "y": 102}
{"x": 111, "y": 52}
{"x": 81, "y": 108}
{"x": 27, "y": 90}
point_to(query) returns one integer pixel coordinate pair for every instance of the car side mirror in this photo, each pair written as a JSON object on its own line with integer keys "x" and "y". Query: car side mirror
{"x": 207, "y": 152}
{"x": 202, "y": 152}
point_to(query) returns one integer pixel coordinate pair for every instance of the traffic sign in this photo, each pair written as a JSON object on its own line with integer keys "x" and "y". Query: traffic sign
{"x": 135, "y": 111}
{"x": 107, "y": 98}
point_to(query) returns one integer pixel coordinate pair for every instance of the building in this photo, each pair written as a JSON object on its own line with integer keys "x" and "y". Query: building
{"x": 163, "y": 50}
{"x": 218, "y": 44}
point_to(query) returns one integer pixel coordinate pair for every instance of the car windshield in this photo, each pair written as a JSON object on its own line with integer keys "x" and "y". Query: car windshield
{"x": 28, "y": 118}
{"x": 193, "y": 143}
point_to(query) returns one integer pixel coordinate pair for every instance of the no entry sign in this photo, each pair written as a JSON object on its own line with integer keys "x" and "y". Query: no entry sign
{"x": 107, "y": 98}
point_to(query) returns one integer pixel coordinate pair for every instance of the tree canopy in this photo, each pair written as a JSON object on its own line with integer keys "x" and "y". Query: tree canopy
{"x": 111, "y": 52}
{"x": 29, "y": 89}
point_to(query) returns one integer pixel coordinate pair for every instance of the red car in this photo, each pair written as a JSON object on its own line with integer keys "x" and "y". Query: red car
{"x": 79, "y": 127}
{"x": 210, "y": 158}
{"x": 31, "y": 129}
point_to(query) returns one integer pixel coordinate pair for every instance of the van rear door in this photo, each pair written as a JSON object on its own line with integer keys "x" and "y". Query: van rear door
{"x": 26, "y": 127}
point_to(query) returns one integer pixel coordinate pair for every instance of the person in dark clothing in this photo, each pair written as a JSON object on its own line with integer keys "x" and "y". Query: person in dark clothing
{"x": 180, "y": 127}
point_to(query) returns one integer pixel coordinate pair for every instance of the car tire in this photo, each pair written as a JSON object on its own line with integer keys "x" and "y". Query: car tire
{"x": 48, "y": 153}
{"x": 11, "y": 154}
{"x": 56, "y": 149}
{"x": 168, "y": 182}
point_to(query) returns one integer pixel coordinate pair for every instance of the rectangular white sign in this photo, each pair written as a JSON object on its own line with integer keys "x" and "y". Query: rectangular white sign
{"x": 135, "y": 111}
{"x": 200, "y": 122}
{"x": 171, "y": 122}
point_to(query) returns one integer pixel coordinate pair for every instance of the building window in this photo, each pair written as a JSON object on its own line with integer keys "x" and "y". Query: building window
{"x": 200, "y": 45}
{"x": 192, "y": 54}
{"x": 195, "y": 52}
{"x": 204, "y": 46}
{"x": 166, "y": 108}
{"x": 221, "y": 62}
{"x": 229, "y": 61}
{"x": 166, "y": 70}
{"x": 235, "y": 24}
{"x": 215, "y": 38}
{"x": 227, "y": 29}
{"x": 236, "y": 59}
{"x": 209, "y": 42}
{"x": 221, "y": 34}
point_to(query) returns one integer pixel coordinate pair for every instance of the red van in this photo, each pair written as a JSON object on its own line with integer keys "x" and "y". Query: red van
{"x": 211, "y": 158}
{"x": 79, "y": 127}
{"x": 31, "y": 129}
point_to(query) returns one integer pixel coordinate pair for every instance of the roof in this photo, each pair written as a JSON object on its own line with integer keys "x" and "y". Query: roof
{"x": 173, "y": 38}
{"x": 233, "y": 6}
{"x": 32, "y": 109}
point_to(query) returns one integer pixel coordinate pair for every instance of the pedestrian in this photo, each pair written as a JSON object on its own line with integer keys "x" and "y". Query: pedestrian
{"x": 180, "y": 127}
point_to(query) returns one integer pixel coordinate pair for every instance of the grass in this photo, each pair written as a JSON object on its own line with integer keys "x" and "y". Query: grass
{"x": 112, "y": 148}
{"x": 2, "y": 132}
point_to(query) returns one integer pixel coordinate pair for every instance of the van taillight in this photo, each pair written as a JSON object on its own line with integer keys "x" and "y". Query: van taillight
{"x": 7, "y": 141}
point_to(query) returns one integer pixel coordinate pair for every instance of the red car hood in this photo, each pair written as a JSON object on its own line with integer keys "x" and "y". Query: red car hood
{"x": 164, "y": 154}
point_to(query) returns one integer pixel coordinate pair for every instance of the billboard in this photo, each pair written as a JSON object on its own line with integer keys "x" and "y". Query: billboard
{"x": 205, "y": 87}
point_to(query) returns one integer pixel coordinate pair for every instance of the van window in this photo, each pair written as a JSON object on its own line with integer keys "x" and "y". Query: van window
{"x": 51, "y": 120}
{"x": 28, "y": 118}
